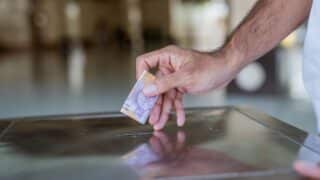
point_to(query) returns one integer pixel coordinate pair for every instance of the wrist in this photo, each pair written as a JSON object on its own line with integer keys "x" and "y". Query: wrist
{"x": 232, "y": 57}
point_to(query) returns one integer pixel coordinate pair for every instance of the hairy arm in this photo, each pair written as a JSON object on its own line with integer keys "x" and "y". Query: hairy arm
{"x": 188, "y": 71}
{"x": 265, "y": 26}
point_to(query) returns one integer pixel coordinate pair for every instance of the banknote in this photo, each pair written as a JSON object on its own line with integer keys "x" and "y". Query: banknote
{"x": 137, "y": 105}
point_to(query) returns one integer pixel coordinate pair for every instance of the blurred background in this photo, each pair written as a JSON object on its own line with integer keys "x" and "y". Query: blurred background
{"x": 78, "y": 56}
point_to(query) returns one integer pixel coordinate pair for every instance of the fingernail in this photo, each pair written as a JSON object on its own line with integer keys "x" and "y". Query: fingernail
{"x": 157, "y": 127}
{"x": 150, "y": 90}
{"x": 181, "y": 122}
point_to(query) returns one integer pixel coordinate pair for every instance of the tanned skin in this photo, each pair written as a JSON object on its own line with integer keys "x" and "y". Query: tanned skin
{"x": 188, "y": 71}
{"x": 265, "y": 26}
{"x": 182, "y": 71}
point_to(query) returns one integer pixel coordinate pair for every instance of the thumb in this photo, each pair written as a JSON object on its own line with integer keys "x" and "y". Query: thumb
{"x": 162, "y": 85}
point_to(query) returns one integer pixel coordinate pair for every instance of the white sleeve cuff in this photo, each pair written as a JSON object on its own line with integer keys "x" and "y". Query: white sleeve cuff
{"x": 317, "y": 111}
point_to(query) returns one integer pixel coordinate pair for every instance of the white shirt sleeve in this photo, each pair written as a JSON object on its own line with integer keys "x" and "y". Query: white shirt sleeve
{"x": 311, "y": 62}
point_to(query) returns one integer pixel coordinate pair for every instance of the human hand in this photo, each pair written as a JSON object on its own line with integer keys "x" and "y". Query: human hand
{"x": 307, "y": 169}
{"x": 183, "y": 71}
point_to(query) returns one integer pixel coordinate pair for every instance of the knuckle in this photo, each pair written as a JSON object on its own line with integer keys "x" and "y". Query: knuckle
{"x": 162, "y": 61}
{"x": 183, "y": 90}
{"x": 139, "y": 59}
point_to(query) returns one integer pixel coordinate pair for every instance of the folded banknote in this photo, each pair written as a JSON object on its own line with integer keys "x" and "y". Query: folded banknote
{"x": 137, "y": 105}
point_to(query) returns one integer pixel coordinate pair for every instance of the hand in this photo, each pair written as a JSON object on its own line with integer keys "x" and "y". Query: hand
{"x": 183, "y": 71}
{"x": 307, "y": 169}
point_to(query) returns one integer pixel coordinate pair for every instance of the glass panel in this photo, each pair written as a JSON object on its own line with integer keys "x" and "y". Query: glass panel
{"x": 221, "y": 143}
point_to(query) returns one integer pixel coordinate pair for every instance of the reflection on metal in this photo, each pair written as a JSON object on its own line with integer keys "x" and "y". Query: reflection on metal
{"x": 214, "y": 144}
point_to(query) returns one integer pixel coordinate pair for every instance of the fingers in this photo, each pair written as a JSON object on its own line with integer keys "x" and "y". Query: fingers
{"x": 161, "y": 112}
{"x": 163, "y": 84}
{"x": 145, "y": 63}
{"x": 165, "y": 111}
{"x": 166, "y": 106}
{"x": 307, "y": 169}
{"x": 150, "y": 60}
{"x": 181, "y": 117}
{"x": 156, "y": 111}
{"x": 163, "y": 58}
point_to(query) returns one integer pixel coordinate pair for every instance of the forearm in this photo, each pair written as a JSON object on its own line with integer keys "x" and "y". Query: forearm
{"x": 264, "y": 27}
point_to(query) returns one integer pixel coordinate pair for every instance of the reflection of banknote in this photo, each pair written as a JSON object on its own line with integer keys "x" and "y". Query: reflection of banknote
{"x": 141, "y": 156}
{"x": 137, "y": 105}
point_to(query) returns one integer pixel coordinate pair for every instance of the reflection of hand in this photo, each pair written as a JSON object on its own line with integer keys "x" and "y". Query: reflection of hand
{"x": 184, "y": 71}
{"x": 175, "y": 158}
{"x": 307, "y": 169}
{"x": 166, "y": 148}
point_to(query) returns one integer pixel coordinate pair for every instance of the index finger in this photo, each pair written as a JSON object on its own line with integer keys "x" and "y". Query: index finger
{"x": 147, "y": 61}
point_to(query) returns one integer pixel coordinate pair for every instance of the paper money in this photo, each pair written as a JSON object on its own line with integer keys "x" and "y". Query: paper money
{"x": 137, "y": 105}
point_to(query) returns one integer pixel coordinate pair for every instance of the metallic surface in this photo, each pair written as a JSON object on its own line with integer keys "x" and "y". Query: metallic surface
{"x": 219, "y": 143}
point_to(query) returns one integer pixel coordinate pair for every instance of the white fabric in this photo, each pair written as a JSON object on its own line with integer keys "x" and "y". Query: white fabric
{"x": 311, "y": 63}
{"x": 305, "y": 154}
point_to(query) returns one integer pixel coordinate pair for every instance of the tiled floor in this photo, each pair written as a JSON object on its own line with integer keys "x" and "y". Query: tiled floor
{"x": 99, "y": 80}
